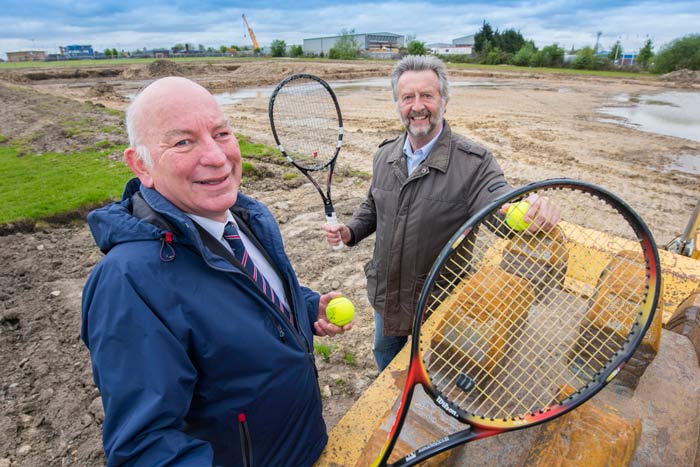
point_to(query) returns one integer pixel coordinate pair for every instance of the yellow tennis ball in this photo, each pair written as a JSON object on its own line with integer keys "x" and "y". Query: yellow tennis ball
{"x": 340, "y": 311}
{"x": 515, "y": 217}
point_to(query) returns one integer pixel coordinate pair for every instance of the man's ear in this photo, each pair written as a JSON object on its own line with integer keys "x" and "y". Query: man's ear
{"x": 138, "y": 166}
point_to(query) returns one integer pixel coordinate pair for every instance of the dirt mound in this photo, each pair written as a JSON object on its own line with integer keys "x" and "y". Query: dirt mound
{"x": 103, "y": 90}
{"x": 45, "y": 123}
{"x": 683, "y": 76}
{"x": 161, "y": 68}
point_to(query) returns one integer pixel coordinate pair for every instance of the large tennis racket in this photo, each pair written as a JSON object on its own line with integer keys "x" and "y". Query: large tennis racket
{"x": 513, "y": 329}
{"x": 308, "y": 129}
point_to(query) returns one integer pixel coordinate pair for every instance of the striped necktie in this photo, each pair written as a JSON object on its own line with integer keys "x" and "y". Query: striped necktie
{"x": 233, "y": 237}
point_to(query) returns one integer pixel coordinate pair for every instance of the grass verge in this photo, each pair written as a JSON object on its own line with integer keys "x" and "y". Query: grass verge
{"x": 38, "y": 186}
{"x": 50, "y": 185}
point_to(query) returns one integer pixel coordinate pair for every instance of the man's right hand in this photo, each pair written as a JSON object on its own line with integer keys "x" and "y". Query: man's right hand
{"x": 337, "y": 233}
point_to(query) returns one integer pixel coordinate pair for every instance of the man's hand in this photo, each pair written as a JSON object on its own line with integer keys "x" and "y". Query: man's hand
{"x": 322, "y": 326}
{"x": 542, "y": 214}
{"x": 336, "y": 234}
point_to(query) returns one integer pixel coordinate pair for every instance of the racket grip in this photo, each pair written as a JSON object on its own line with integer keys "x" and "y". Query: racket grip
{"x": 332, "y": 220}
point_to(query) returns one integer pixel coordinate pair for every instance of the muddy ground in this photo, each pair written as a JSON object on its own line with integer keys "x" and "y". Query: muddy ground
{"x": 539, "y": 126}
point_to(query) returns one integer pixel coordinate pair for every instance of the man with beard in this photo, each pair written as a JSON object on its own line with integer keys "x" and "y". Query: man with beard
{"x": 425, "y": 184}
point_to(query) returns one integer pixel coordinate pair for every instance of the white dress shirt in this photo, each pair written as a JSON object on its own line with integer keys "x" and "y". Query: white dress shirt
{"x": 216, "y": 229}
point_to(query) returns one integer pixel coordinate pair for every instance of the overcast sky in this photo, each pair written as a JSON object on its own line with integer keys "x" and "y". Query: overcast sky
{"x": 129, "y": 24}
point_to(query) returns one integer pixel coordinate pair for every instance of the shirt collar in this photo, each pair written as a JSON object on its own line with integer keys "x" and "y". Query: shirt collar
{"x": 425, "y": 150}
{"x": 215, "y": 228}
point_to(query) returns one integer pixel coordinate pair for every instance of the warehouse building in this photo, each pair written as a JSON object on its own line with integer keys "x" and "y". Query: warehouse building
{"x": 76, "y": 51}
{"x": 26, "y": 56}
{"x": 369, "y": 43}
{"x": 461, "y": 46}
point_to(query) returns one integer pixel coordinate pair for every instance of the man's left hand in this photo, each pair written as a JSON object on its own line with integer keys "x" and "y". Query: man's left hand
{"x": 322, "y": 326}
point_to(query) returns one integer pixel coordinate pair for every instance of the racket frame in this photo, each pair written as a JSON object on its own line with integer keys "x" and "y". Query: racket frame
{"x": 330, "y": 165}
{"x": 417, "y": 373}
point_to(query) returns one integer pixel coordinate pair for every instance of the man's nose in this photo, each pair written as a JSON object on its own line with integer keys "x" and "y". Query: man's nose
{"x": 212, "y": 153}
{"x": 418, "y": 104}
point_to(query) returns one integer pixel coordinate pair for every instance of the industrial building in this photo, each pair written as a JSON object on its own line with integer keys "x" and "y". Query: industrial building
{"x": 77, "y": 51}
{"x": 371, "y": 43}
{"x": 461, "y": 46}
{"x": 26, "y": 56}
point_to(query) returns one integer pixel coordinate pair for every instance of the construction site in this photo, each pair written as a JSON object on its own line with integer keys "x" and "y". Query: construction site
{"x": 538, "y": 125}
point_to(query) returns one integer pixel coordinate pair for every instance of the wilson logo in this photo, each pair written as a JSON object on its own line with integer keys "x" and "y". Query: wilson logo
{"x": 443, "y": 403}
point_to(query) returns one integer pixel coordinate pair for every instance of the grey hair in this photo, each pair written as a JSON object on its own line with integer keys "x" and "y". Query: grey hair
{"x": 421, "y": 63}
{"x": 135, "y": 142}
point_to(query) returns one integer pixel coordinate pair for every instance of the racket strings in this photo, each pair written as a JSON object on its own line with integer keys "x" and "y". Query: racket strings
{"x": 513, "y": 330}
{"x": 305, "y": 118}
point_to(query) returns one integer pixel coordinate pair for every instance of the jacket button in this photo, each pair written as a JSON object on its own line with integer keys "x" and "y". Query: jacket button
{"x": 424, "y": 170}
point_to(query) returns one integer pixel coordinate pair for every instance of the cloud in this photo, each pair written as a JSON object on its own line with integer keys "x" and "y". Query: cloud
{"x": 130, "y": 24}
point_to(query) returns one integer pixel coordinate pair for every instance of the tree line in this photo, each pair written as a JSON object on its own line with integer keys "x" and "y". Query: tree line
{"x": 510, "y": 47}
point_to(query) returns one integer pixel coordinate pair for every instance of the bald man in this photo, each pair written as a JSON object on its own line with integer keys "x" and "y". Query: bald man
{"x": 201, "y": 340}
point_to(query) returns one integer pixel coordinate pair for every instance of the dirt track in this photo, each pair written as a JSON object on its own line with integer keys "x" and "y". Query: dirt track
{"x": 539, "y": 126}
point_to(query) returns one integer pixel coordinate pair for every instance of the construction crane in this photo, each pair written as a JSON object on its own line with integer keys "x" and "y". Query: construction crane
{"x": 251, "y": 34}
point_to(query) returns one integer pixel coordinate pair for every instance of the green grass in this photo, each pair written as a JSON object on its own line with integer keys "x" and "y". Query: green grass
{"x": 349, "y": 358}
{"x": 323, "y": 350}
{"x": 118, "y": 61}
{"x": 38, "y": 186}
{"x": 259, "y": 151}
{"x": 566, "y": 71}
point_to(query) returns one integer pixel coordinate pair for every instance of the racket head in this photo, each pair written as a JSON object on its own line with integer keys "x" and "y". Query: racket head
{"x": 306, "y": 121}
{"x": 513, "y": 329}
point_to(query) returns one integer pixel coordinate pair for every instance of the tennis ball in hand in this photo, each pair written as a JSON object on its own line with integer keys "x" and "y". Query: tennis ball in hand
{"x": 340, "y": 311}
{"x": 515, "y": 217}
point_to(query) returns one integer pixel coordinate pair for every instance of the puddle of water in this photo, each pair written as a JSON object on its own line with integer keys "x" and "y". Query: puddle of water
{"x": 687, "y": 163}
{"x": 669, "y": 113}
{"x": 238, "y": 96}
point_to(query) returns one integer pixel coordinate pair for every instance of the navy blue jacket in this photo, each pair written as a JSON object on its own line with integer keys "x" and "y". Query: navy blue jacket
{"x": 194, "y": 365}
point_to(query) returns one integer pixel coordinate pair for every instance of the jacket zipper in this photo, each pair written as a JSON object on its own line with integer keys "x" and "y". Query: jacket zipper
{"x": 246, "y": 444}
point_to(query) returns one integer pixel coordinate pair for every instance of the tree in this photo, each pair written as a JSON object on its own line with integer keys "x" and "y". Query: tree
{"x": 645, "y": 54}
{"x": 549, "y": 56}
{"x": 223, "y": 49}
{"x": 416, "y": 48}
{"x": 523, "y": 56}
{"x": 296, "y": 51}
{"x": 483, "y": 40}
{"x": 346, "y": 47}
{"x": 495, "y": 56}
{"x": 615, "y": 53}
{"x": 178, "y": 47}
{"x": 108, "y": 52}
{"x": 584, "y": 59}
{"x": 509, "y": 41}
{"x": 278, "y": 48}
{"x": 114, "y": 53}
{"x": 553, "y": 55}
{"x": 680, "y": 53}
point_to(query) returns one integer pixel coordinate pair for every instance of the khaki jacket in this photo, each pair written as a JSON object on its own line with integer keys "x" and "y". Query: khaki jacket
{"x": 415, "y": 216}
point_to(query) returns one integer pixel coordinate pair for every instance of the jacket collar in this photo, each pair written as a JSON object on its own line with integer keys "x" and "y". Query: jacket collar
{"x": 439, "y": 157}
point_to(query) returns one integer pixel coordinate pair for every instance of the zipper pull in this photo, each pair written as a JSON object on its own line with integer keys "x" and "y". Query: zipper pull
{"x": 282, "y": 335}
{"x": 167, "y": 252}
{"x": 246, "y": 444}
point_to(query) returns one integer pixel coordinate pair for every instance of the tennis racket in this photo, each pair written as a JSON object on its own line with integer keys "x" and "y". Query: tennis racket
{"x": 514, "y": 329}
{"x": 308, "y": 129}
